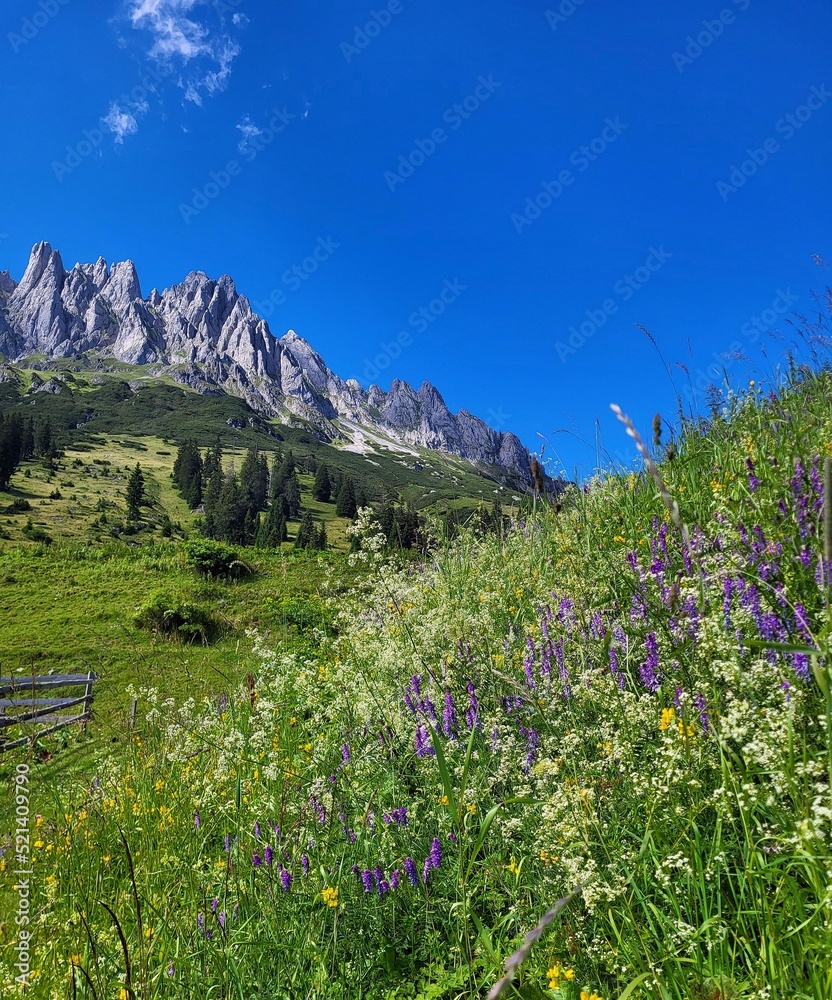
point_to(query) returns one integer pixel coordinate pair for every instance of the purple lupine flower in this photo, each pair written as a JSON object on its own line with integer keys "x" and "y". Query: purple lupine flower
{"x": 426, "y": 870}
{"x": 424, "y": 746}
{"x": 529, "y": 661}
{"x": 753, "y": 480}
{"x": 394, "y": 879}
{"x": 546, "y": 658}
{"x": 268, "y": 855}
{"x": 367, "y": 880}
{"x": 817, "y": 485}
{"x": 701, "y": 707}
{"x": 532, "y": 742}
{"x": 416, "y": 684}
{"x": 214, "y": 904}
{"x": 286, "y": 879}
{"x": 649, "y": 669}
{"x": 410, "y": 871}
{"x": 435, "y": 852}
{"x": 426, "y": 707}
{"x": 472, "y": 712}
{"x": 200, "y": 921}
{"x": 449, "y": 719}
{"x": 257, "y": 861}
{"x": 383, "y": 886}
{"x": 304, "y": 861}
{"x": 800, "y": 662}
{"x": 197, "y": 820}
{"x": 345, "y": 753}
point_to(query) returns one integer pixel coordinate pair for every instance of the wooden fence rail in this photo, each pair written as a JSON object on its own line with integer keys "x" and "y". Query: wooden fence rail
{"x": 17, "y": 710}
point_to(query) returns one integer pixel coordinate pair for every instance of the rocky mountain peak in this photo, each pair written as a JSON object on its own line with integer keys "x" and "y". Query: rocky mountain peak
{"x": 211, "y": 340}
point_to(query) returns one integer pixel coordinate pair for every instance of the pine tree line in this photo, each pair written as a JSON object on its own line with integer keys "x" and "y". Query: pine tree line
{"x": 23, "y": 439}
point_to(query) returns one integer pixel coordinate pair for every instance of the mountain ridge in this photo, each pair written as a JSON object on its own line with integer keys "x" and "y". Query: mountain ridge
{"x": 205, "y": 334}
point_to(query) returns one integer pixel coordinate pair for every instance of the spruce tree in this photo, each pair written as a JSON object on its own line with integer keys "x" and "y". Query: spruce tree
{"x": 43, "y": 439}
{"x": 11, "y": 438}
{"x": 345, "y": 505}
{"x": 322, "y": 489}
{"x": 229, "y": 513}
{"x": 27, "y": 445}
{"x": 135, "y": 493}
{"x": 322, "y": 542}
{"x": 307, "y": 533}
{"x": 188, "y": 473}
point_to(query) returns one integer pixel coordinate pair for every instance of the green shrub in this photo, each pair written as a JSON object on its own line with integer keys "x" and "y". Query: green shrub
{"x": 172, "y": 614}
{"x": 18, "y": 506}
{"x": 214, "y": 559}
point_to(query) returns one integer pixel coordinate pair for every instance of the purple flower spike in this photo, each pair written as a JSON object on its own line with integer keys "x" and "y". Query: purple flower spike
{"x": 435, "y": 852}
{"x": 304, "y": 861}
{"x": 449, "y": 719}
{"x": 285, "y": 879}
{"x": 171, "y": 969}
{"x": 426, "y": 869}
{"x": 367, "y": 880}
{"x": 214, "y": 904}
{"x": 269, "y": 855}
{"x": 227, "y": 843}
{"x": 197, "y": 820}
{"x": 394, "y": 879}
{"x": 221, "y": 919}
{"x": 649, "y": 669}
{"x": 345, "y": 753}
{"x": 410, "y": 871}
{"x": 257, "y": 861}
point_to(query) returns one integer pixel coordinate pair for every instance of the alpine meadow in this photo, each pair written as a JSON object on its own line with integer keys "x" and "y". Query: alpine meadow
{"x": 415, "y": 501}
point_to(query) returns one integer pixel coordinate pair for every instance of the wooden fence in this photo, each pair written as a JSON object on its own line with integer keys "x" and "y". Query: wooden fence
{"x": 54, "y": 713}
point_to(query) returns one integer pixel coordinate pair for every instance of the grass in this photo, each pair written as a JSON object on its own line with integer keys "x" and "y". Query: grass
{"x": 587, "y": 707}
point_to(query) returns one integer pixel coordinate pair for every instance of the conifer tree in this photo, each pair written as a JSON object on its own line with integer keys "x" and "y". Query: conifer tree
{"x": 135, "y": 493}
{"x": 11, "y": 438}
{"x": 322, "y": 542}
{"x": 43, "y": 439}
{"x": 322, "y": 489}
{"x": 345, "y": 506}
{"x": 307, "y": 533}
{"x": 27, "y": 444}
{"x": 188, "y": 473}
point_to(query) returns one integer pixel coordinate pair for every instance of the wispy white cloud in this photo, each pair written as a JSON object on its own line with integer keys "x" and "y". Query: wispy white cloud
{"x": 180, "y": 35}
{"x": 120, "y": 123}
{"x": 250, "y": 131}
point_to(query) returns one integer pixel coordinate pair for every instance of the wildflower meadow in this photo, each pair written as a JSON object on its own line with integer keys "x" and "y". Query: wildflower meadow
{"x": 620, "y": 704}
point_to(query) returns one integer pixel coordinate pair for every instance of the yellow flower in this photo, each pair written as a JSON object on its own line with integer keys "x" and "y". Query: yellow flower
{"x": 471, "y": 807}
{"x": 589, "y": 996}
{"x": 148, "y": 933}
{"x": 668, "y": 716}
{"x": 443, "y": 800}
{"x": 330, "y": 896}
{"x": 618, "y": 538}
{"x": 514, "y": 868}
{"x": 38, "y": 843}
{"x": 39, "y": 821}
{"x": 74, "y": 959}
{"x": 122, "y": 994}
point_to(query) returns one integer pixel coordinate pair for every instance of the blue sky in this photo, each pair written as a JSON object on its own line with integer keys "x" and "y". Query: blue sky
{"x": 543, "y": 165}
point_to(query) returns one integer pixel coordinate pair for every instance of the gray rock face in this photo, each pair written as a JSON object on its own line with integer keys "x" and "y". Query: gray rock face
{"x": 205, "y": 334}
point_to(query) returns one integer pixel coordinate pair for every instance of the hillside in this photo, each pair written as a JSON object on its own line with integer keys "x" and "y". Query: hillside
{"x": 623, "y": 703}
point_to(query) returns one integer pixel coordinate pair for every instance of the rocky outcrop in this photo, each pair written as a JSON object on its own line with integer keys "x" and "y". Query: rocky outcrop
{"x": 205, "y": 334}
